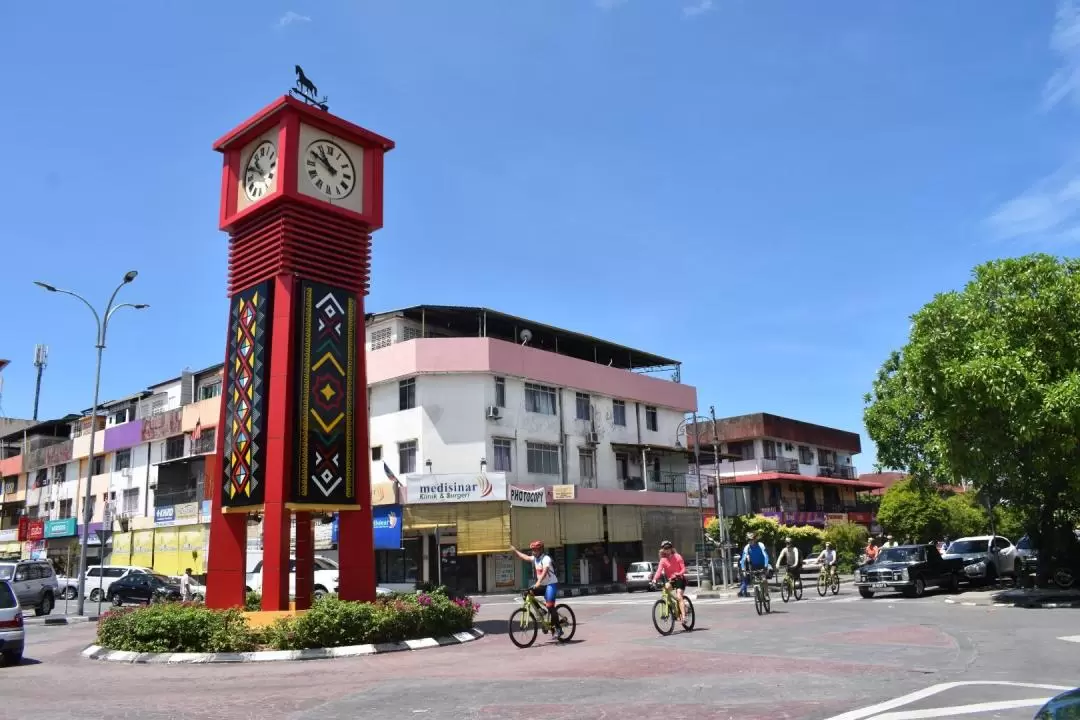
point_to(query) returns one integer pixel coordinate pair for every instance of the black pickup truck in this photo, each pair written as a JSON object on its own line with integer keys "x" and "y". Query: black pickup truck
{"x": 909, "y": 569}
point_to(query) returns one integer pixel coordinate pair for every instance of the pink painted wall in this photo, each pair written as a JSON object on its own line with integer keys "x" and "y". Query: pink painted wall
{"x": 599, "y": 496}
{"x": 461, "y": 355}
{"x": 11, "y": 466}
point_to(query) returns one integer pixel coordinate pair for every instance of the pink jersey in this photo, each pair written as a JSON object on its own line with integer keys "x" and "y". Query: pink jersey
{"x": 671, "y": 566}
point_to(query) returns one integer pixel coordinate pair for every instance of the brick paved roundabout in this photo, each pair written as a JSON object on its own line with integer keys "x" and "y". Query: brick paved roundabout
{"x": 842, "y": 657}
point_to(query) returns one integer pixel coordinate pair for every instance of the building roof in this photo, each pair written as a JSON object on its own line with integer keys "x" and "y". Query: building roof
{"x": 45, "y": 427}
{"x": 767, "y": 425}
{"x": 485, "y": 322}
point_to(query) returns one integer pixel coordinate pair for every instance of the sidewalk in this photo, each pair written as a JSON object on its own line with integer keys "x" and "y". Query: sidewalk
{"x": 1020, "y": 598}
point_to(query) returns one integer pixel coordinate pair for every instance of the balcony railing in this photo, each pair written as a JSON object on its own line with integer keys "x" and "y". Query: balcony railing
{"x": 781, "y": 465}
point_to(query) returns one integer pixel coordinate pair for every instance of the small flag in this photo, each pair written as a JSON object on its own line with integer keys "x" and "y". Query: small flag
{"x": 390, "y": 474}
{"x": 197, "y": 432}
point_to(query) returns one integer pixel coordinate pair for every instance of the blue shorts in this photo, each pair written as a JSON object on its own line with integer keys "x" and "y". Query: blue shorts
{"x": 551, "y": 592}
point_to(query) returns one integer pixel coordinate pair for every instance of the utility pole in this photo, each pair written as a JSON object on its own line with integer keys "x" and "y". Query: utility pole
{"x": 725, "y": 553}
{"x": 41, "y": 359}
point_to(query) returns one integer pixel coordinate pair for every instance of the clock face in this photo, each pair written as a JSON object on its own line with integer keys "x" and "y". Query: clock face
{"x": 329, "y": 169}
{"x": 260, "y": 171}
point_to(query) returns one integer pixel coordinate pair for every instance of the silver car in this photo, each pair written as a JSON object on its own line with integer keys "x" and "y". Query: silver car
{"x": 639, "y": 576}
{"x": 12, "y": 634}
{"x": 34, "y": 583}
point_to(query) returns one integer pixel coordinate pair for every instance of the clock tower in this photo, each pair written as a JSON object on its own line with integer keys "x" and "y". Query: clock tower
{"x": 301, "y": 193}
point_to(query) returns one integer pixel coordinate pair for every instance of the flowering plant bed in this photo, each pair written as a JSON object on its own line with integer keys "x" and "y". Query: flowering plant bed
{"x": 330, "y": 623}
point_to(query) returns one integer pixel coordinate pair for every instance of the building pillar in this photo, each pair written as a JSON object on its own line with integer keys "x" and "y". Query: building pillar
{"x": 305, "y": 561}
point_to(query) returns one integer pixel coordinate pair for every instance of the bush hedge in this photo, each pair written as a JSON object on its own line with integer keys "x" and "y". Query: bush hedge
{"x": 185, "y": 627}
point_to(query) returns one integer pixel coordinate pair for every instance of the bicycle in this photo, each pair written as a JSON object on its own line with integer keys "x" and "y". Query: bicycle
{"x": 791, "y": 586}
{"x": 828, "y": 579}
{"x": 668, "y": 607}
{"x": 762, "y": 602}
{"x": 531, "y": 617}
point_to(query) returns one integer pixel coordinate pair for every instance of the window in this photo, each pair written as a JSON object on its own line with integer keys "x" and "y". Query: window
{"x": 92, "y": 506}
{"x": 650, "y": 418}
{"x": 131, "y": 501}
{"x": 41, "y": 478}
{"x": 825, "y": 457}
{"x": 59, "y": 473}
{"x": 618, "y": 412}
{"x": 622, "y": 466}
{"x": 122, "y": 460}
{"x": 121, "y": 417}
{"x": 376, "y": 453}
{"x": 543, "y": 459}
{"x": 502, "y": 453}
{"x": 411, "y": 333}
{"x": 584, "y": 408}
{"x": 210, "y": 390}
{"x": 406, "y": 452}
{"x": 65, "y": 509}
{"x": 381, "y": 338}
{"x": 744, "y": 449}
{"x": 768, "y": 448}
{"x": 205, "y": 443}
{"x": 99, "y": 465}
{"x": 500, "y": 392}
{"x": 806, "y": 456}
{"x": 587, "y": 465}
{"x": 174, "y": 447}
{"x": 539, "y": 399}
{"x": 406, "y": 394}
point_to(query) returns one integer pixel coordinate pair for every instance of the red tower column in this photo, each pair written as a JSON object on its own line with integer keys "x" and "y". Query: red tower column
{"x": 305, "y": 561}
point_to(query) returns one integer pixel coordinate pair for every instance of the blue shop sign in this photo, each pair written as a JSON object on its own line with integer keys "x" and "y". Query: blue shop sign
{"x": 163, "y": 515}
{"x": 386, "y": 520}
{"x": 60, "y": 528}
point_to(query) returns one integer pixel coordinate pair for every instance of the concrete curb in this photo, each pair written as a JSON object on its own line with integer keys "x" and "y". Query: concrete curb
{"x": 95, "y": 652}
{"x": 591, "y": 590}
{"x": 62, "y": 620}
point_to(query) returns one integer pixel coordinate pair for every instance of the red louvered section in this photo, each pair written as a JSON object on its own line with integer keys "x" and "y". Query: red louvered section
{"x": 300, "y": 240}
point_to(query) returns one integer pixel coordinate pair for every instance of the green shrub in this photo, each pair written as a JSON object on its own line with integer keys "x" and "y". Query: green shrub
{"x": 176, "y": 627}
{"x": 253, "y": 601}
{"x": 337, "y": 623}
{"x": 849, "y": 539}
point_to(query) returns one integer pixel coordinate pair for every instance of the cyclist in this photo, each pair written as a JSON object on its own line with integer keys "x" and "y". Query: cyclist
{"x": 790, "y": 557}
{"x": 827, "y": 558}
{"x": 673, "y": 567}
{"x": 754, "y": 557}
{"x": 545, "y": 578}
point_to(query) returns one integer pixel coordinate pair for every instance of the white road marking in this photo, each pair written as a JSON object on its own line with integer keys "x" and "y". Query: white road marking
{"x": 1071, "y": 638}
{"x": 962, "y": 709}
{"x": 883, "y": 707}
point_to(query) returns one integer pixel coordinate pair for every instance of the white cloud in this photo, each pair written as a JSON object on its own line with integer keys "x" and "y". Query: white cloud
{"x": 1048, "y": 212}
{"x": 1065, "y": 42}
{"x": 292, "y": 17}
{"x": 698, "y": 8}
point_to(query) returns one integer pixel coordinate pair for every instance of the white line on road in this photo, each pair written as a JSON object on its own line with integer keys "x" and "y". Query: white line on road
{"x": 961, "y": 709}
{"x": 883, "y": 707}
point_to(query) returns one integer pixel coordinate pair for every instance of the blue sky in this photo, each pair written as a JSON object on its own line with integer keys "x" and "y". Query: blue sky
{"x": 764, "y": 190}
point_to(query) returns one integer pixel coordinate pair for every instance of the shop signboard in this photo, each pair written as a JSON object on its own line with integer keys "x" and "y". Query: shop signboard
{"x": 60, "y": 528}
{"x": 10, "y": 535}
{"x": 386, "y": 523}
{"x": 520, "y": 497}
{"x": 835, "y": 518}
{"x": 35, "y": 530}
{"x": 165, "y": 515}
{"x": 427, "y": 489}
{"x": 186, "y": 513}
{"x": 563, "y": 492}
{"x": 504, "y": 571}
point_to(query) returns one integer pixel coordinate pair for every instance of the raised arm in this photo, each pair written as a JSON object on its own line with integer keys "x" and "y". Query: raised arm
{"x": 520, "y": 554}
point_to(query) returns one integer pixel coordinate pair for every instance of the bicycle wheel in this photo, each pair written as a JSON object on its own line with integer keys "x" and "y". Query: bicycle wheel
{"x": 766, "y": 600}
{"x": 663, "y": 619}
{"x": 567, "y": 622}
{"x": 759, "y": 604}
{"x": 785, "y": 590}
{"x": 690, "y": 618}
{"x": 798, "y": 588}
{"x": 522, "y": 628}
{"x": 835, "y": 584}
{"x": 822, "y": 585}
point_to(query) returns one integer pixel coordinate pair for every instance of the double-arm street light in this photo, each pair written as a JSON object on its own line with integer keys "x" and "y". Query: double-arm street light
{"x": 102, "y": 322}
{"x": 683, "y": 430}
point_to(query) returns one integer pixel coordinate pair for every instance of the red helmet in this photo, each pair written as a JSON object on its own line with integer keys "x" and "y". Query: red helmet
{"x": 536, "y": 545}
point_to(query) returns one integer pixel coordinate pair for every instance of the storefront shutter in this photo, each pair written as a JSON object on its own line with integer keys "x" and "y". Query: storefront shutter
{"x": 166, "y": 550}
{"x": 121, "y": 549}
{"x": 483, "y": 528}
{"x": 528, "y": 524}
{"x": 624, "y": 523}
{"x": 429, "y": 517}
{"x": 142, "y": 548}
{"x": 582, "y": 524}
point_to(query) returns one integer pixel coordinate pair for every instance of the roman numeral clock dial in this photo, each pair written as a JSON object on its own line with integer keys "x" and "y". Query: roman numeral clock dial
{"x": 260, "y": 171}
{"x": 329, "y": 169}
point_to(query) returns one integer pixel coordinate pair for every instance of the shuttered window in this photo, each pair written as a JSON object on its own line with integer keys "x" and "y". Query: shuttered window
{"x": 582, "y": 524}
{"x": 428, "y": 517}
{"x": 528, "y": 524}
{"x": 624, "y": 523}
{"x": 483, "y": 528}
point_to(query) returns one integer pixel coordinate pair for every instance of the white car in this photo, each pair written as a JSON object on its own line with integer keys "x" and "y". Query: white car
{"x": 986, "y": 557}
{"x": 12, "y": 632}
{"x": 326, "y": 578}
{"x": 99, "y": 578}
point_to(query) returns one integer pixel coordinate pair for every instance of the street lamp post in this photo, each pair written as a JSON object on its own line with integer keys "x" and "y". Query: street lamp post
{"x": 725, "y": 552}
{"x": 102, "y": 323}
{"x": 682, "y": 429}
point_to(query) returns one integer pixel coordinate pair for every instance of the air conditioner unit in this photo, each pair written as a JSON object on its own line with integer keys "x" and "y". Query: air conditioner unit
{"x": 592, "y": 438}
{"x": 493, "y": 412}
{"x": 126, "y": 472}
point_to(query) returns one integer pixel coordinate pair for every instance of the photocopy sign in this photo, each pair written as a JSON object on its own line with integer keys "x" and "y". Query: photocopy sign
{"x": 519, "y": 497}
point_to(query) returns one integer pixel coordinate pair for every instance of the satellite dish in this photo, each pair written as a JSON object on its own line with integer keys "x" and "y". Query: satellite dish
{"x": 526, "y": 336}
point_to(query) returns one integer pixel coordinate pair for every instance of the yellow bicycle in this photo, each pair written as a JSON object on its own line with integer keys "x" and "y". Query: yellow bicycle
{"x": 666, "y": 612}
{"x": 527, "y": 621}
{"x": 828, "y": 579}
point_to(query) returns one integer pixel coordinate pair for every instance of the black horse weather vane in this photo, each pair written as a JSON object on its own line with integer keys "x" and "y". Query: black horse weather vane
{"x": 306, "y": 90}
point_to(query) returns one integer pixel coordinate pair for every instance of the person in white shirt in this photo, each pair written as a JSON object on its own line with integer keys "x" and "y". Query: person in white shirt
{"x": 790, "y": 557}
{"x": 186, "y": 582}
{"x": 827, "y": 558}
{"x": 547, "y": 581}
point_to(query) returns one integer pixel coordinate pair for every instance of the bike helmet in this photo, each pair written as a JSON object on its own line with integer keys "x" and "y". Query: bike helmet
{"x": 787, "y": 541}
{"x": 536, "y": 545}
{"x": 666, "y": 545}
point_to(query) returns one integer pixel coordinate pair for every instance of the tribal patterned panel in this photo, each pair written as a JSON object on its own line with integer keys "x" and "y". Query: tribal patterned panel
{"x": 324, "y": 462}
{"x": 246, "y": 384}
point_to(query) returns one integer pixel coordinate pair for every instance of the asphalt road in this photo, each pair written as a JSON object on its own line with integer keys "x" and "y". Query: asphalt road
{"x": 843, "y": 657}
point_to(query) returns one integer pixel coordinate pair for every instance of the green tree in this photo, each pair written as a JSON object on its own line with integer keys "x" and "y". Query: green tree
{"x": 987, "y": 389}
{"x": 849, "y": 539}
{"x": 910, "y": 511}
{"x": 964, "y": 516}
